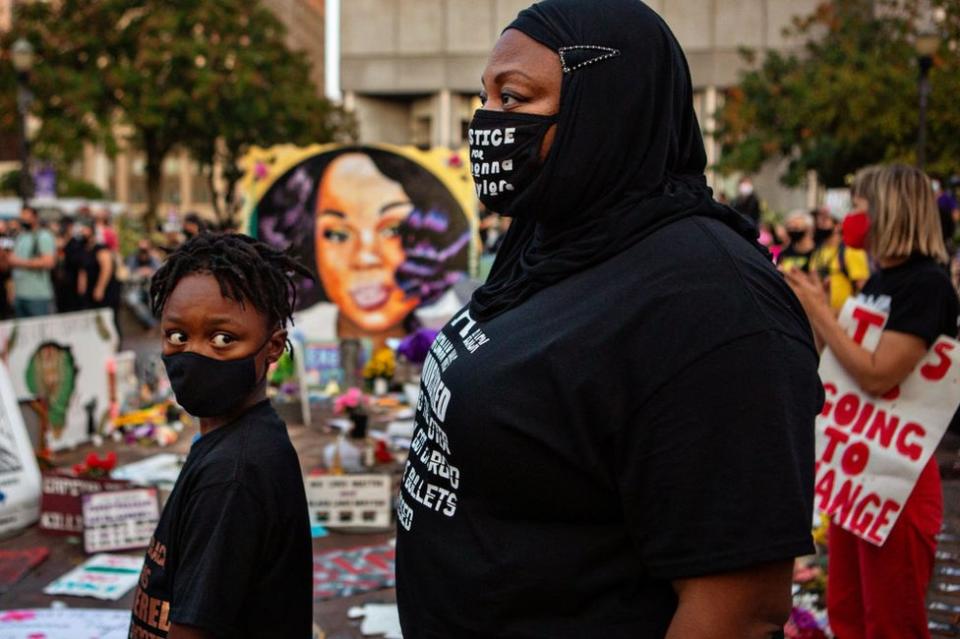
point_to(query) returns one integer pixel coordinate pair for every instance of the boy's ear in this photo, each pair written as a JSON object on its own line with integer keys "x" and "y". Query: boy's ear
{"x": 276, "y": 346}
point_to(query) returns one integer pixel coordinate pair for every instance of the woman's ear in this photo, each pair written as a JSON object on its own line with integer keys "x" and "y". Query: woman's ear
{"x": 276, "y": 346}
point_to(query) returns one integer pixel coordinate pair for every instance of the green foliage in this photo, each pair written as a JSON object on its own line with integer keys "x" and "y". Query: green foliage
{"x": 849, "y": 98}
{"x": 67, "y": 186}
{"x": 164, "y": 74}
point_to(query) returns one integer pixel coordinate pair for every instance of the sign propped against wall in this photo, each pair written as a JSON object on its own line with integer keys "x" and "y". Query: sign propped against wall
{"x": 871, "y": 450}
{"x": 58, "y": 364}
{"x": 349, "y": 500}
{"x": 19, "y": 473}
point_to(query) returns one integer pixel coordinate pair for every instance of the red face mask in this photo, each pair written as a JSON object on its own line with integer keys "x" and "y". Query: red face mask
{"x": 855, "y": 228}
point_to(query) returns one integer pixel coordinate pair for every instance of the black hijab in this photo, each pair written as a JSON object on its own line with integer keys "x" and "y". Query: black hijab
{"x": 628, "y": 157}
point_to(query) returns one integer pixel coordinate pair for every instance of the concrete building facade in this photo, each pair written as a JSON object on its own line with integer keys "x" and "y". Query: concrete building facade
{"x": 410, "y": 69}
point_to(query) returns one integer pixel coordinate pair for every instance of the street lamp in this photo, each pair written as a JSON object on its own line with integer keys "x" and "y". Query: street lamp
{"x": 927, "y": 44}
{"x": 21, "y": 54}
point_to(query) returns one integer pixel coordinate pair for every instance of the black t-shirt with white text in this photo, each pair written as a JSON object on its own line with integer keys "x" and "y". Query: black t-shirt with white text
{"x": 645, "y": 420}
{"x": 917, "y": 295}
{"x": 232, "y": 552}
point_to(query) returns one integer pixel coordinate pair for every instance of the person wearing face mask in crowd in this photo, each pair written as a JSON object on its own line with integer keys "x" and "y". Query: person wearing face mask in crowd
{"x": 843, "y": 270}
{"x": 33, "y": 260}
{"x": 615, "y": 437}
{"x": 141, "y": 265}
{"x": 97, "y": 283}
{"x": 879, "y": 592}
{"x": 231, "y": 555}
{"x": 70, "y": 257}
{"x": 746, "y": 201}
{"x": 800, "y": 247}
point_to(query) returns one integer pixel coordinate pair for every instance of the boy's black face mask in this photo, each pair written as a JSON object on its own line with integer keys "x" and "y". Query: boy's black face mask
{"x": 207, "y": 387}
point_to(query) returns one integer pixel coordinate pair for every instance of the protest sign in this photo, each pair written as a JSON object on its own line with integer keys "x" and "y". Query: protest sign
{"x": 19, "y": 473}
{"x": 61, "y": 507}
{"x": 106, "y": 577}
{"x": 65, "y": 623}
{"x": 119, "y": 520}
{"x": 871, "y": 450}
{"x": 349, "y": 500}
{"x": 344, "y": 573}
{"x": 60, "y": 367}
{"x": 14, "y": 564}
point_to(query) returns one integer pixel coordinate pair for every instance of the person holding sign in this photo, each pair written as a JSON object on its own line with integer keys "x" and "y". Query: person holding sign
{"x": 615, "y": 437}
{"x": 231, "y": 555}
{"x": 878, "y": 592}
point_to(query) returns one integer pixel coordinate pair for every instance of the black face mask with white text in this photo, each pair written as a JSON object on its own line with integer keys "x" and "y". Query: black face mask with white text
{"x": 505, "y": 155}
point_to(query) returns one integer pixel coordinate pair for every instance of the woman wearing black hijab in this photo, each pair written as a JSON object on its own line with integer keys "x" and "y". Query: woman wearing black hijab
{"x": 615, "y": 438}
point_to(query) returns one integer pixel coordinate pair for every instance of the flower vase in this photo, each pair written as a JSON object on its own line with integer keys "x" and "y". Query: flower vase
{"x": 359, "y": 430}
{"x": 380, "y": 387}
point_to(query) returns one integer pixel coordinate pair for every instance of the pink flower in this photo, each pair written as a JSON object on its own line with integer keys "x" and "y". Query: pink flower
{"x": 353, "y": 398}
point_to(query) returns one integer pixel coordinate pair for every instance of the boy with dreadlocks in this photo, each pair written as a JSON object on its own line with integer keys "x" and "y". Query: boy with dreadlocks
{"x": 231, "y": 555}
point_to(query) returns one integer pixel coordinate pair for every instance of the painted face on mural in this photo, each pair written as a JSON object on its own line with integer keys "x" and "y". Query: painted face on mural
{"x": 359, "y": 215}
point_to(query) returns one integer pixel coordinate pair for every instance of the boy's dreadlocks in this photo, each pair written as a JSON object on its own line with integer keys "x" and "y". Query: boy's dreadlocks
{"x": 247, "y": 271}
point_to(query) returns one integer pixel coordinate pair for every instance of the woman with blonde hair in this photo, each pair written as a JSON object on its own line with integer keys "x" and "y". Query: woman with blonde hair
{"x": 879, "y": 591}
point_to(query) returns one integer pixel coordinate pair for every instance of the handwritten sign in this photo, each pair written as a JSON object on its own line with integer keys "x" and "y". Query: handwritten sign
{"x": 106, "y": 577}
{"x": 66, "y": 623}
{"x": 19, "y": 473}
{"x": 119, "y": 520}
{"x": 345, "y": 573}
{"x": 871, "y": 450}
{"x": 349, "y": 500}
{"x": 61, "y": 508}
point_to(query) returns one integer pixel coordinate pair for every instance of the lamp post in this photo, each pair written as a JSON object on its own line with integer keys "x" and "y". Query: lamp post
{"x": 22, "y": 56}
{"x": 927, "y": 44}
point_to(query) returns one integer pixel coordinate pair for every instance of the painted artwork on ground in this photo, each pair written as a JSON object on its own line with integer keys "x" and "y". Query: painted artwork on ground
{"x": 62, "y": 363}
{"x": 386, "y": 230}
{"x": 345, "y": 573}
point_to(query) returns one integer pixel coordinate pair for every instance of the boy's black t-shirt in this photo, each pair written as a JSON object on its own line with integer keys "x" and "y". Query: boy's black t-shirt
{"x": 917, "y": 295}
{"x": 232, "y": 553}
{"x": 648, "y": 419}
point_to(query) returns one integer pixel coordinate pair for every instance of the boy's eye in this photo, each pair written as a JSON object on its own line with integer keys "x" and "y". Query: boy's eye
{"x": 391, "y": 231}
{"x": 337, "y": 236}
{"x": 221, "y": 340}
{"x": 177, "y": 338}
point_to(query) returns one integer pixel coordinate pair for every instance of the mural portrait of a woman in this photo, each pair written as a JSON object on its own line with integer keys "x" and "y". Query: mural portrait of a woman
{"x": 382, "y": 233}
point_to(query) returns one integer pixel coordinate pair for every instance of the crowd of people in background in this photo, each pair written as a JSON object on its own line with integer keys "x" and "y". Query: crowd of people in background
{"x": 76, "y": 262}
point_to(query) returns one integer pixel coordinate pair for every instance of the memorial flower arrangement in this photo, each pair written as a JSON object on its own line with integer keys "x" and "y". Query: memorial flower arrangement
{"x": 353, "y": 403}
{"x": 95, "y": 467}
{"x": 382, "y": 365}
{"x": 803, "y": 624}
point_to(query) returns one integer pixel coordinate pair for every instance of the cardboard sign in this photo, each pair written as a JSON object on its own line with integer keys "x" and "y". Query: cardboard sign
{"x": 349, "y": 500}
{"x": 106, "y": 577}
{"x": 59, "y": 365}
{"x": 19, "y": 473}
{"x": 344, "y": 573}
{"x": 66, "y": 623}
{"x": 871, "y": 450}
{"x": 119, "y": 520}
{"x": 61, "y": 506}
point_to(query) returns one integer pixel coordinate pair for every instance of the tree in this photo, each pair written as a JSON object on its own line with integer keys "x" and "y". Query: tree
{"x": 262, "y": 95}
{"x": 155, "y": 72}
{"x": 848, "y": 99}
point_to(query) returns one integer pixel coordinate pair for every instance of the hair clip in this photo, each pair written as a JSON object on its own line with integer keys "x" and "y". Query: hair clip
{"x": 579, "y": 56}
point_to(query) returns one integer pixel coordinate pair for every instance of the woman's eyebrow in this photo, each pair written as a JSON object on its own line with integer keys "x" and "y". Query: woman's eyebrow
{"x": 503, "y": 75}
{"x": 391, "y": 205}
{"x": 334, "y": 213}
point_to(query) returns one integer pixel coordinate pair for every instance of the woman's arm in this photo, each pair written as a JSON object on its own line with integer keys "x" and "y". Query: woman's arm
{"x": 105, "y": 259}
{"x": 748, "y": 604}
{"x": 876, "y": 373}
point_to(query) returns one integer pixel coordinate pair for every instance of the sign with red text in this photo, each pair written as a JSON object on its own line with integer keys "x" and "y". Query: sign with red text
{"x": 61, "y": 505}
{"x": 871, "y": 450}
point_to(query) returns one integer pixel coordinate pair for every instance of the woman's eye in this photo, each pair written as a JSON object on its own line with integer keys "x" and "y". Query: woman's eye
{"x": 337, "y": 236}
{"x": 390, "y": 232}
{"x": 221, "y": 341}
{"x": 176, "y": 338}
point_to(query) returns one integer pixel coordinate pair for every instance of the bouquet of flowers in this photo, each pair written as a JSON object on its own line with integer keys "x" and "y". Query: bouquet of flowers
{"x": 96, "y": 468}
{"x": 353, "y": 403}
{"x": 382, "y": 365}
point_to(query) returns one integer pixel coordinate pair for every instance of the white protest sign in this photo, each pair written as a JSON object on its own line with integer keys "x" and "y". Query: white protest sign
{"x": 871, "y": 450}
{"x": 106, "y": 577}
{"x": 66, "y": 623}
{"x": 19, "y": 473}
{"x": 349, "y": 500}
{"x": 59, "y": 364}
{"x": 119, "y": 520}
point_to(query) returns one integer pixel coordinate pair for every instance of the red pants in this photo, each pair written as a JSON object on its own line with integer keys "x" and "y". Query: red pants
{"x": 880, "y": 593}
